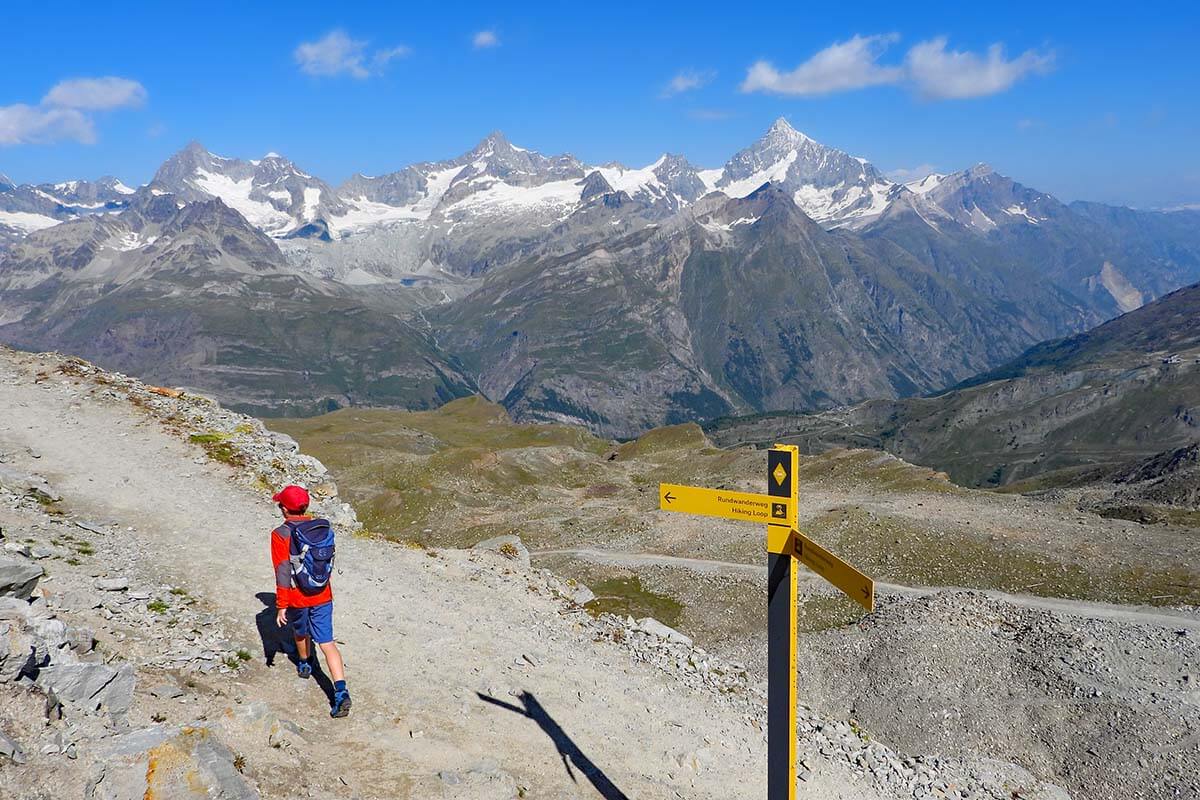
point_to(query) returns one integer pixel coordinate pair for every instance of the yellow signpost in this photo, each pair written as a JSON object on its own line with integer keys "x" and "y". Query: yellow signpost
{"x": 745, "y": 506}
{"x": 779, "y": 509}
{"x": 857, "y": 586}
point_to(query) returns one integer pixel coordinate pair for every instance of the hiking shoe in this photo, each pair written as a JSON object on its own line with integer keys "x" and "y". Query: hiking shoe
{"x": 304, "y": 669}
{"x": 341, "y": 704}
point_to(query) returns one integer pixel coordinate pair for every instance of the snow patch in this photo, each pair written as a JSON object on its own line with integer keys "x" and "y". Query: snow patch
{"x": 312, "y": 199}
{"x": 25, "y": 221}
{"x": 132, "y": 241}
{"x": 772, "y": 174}
{"x": 926, "y": 184}
{"x": 631, "y": 181}
{"x": 236, "y": 195}
{"x": 709, "y": 178}
{"x": 1020, "y": 211}
{"x": 364, "y": 213}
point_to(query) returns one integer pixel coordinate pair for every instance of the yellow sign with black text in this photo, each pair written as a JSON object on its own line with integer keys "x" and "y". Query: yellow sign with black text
{"x": 857, "y": 586}
{"x": 744, "y": 506}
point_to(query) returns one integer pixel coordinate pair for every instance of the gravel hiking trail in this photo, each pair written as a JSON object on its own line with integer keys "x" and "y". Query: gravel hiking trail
{"x": 427, "y": 636}
{"x": 809, "y": 581}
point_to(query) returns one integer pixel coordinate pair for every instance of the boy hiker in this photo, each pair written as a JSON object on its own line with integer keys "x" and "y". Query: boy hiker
{"x": 302, "y": 554}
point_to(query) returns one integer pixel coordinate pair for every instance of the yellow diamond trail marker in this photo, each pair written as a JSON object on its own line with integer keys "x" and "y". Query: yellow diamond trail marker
{"x": 778, "y": 510}
{"x": 743, "y": 506}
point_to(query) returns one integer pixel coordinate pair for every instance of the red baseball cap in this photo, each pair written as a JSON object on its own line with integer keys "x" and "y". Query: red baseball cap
{"x": 292, "y": 497}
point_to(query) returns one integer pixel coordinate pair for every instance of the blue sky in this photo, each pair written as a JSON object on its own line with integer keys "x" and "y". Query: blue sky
{"x": 1082, "y": 103}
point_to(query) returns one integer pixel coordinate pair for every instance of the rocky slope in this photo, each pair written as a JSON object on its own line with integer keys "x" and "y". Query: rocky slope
{"x": 533, "y": 698}
{"x": 1124, "y": 390}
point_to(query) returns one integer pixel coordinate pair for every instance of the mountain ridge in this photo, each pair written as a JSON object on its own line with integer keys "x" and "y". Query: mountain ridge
{"x": 483, "y": 267}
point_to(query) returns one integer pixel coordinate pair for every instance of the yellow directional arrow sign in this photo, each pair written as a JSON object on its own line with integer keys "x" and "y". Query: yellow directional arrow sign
{"x": 744, "y": 506}
{"x": 857, "y": 586}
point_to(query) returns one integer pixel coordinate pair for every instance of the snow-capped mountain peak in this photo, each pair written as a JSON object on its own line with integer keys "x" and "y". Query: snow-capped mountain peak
{"x": 830, "y": 186}
{"x": 271, "y": 192}
{"x": 983, "y": 199}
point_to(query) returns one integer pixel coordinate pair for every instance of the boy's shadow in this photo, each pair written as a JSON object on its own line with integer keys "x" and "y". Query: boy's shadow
{"x": 276, "y": 640}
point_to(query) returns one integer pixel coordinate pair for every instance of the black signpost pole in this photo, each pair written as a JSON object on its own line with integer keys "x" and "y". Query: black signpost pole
{"x": 782, "y": 463}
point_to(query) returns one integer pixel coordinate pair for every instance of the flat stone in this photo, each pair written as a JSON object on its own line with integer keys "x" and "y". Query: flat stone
{"x": 167, "y": 691}
{"x": 112, "y": 584}
{"x": 10, "y": 749}
{"x": 19, "y": 548}
{"x": 91, "y": 686}
{"x": 655, "y": 628}
{"x": 16, "y": 650}
{"x": 18, "y": 578}
{"x": 184, "y": 763}
{"x": 18, "y": 482}
{"x": 76, "y": 600}
{"x": 81, "y": 639}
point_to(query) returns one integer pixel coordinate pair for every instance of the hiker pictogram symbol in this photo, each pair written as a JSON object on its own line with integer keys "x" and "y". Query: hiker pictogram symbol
{"x": 779, "y": 510}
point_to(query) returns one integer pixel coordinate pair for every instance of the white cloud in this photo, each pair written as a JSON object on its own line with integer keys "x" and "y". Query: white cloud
{"x": 23, "y": 124}
{"x": 63, "y": 114}
{"x": 943, "y": 74}
{"x": 382, "y": 57}
{"x": 484, "y": 39}
{"x": 929, "y": 68}
{"x": 336, "y": 53}
{"x": 909, "y": 174}
{"x": 333, "y": 54}
{"x": 96, "y": 94}
{"x": 852, "y": 64}
{"x": 686, "y": 81}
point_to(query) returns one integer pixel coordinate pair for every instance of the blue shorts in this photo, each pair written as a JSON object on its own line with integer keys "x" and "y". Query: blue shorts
{"x": 316, "y": 621}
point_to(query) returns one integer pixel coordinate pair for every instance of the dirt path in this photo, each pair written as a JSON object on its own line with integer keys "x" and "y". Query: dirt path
{"x": 425, "y": 636}
{"x": 1142, "y": 615}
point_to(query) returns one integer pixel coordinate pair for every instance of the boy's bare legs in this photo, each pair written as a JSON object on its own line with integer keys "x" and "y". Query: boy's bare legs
{"x": 333, "y": 656}
{"x": 333, "y": 659}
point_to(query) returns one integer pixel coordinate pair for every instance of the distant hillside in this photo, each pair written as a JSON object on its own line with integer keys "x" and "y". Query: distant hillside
{"x": 1127, "y": 389}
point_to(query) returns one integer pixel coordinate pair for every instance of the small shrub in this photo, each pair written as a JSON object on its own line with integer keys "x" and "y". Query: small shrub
{"x": 179, "y": 591}
{"x": 243, "y": 654}
{"x": 218, "y": 449}
{"x": 157, "y": 606}
{"x": 509, "y": 550}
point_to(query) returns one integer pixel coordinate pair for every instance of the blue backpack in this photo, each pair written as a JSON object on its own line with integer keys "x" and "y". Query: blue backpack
{"x": 312, "y": 549}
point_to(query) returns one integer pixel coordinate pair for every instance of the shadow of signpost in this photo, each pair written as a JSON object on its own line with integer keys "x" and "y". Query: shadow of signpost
{"x": 567, "y": 749}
